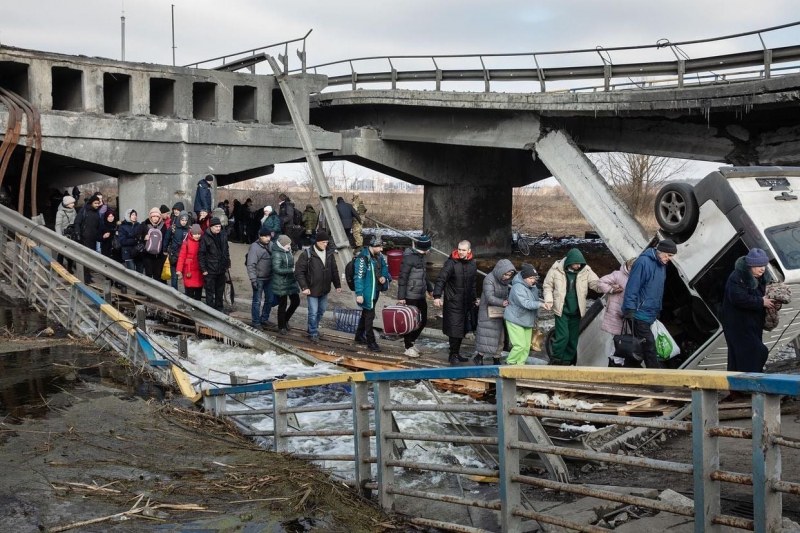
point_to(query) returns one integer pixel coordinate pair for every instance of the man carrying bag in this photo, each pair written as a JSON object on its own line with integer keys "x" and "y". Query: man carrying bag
{"x": 627, "y": 346}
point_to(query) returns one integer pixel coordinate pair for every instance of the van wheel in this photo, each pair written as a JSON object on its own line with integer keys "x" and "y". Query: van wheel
{"x": 676, "y": 209}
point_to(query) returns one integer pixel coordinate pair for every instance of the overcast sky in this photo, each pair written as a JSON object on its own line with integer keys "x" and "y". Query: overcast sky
{"x": 346, "y": 28}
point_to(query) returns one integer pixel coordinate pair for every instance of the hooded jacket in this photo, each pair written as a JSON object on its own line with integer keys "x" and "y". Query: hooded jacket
{"x": 612, "y": 320}
{"x": 523, "y": 303}
{"x": 283, "y": 280}
{"x": 177, "y": 234}
{"x": 272, "y": 223}
{"x": 743, "y": 315}
{"x": 64, "y": 217}
{"x": 310, "y": 219}
{"x": 312, "y": 274}
{"x": 367, "y": 270}
{"x": 259, "y": 261}
{"x": 555, "y": 283}
{"x": 128, "y": 233}
{"x": 489, "y": 334}
{"x": 188, "y": 264}
{"x": 645, "y": 289}
{"x": 202, "y": 197}
{"x": 413, "y": 281}
{"x": 456, "y": 282}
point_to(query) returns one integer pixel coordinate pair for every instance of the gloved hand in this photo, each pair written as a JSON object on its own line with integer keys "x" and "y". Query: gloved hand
{"x": 628, "y": 314}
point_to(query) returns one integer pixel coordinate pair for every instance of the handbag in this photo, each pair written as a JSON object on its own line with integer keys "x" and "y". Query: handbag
{"x": 495, "y": 311}
{"x": 138, "y": 249}
{"x": 627, "y": 345}
{"x": 166, "y": 271}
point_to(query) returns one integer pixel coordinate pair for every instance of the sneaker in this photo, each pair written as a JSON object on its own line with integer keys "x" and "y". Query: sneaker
{"x": 373, "y": 347}
{"x": 411, "y": 352}
{"x": 455, "y": 359}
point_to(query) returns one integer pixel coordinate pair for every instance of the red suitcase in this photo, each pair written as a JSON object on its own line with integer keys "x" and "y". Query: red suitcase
{"x": 400, "y": 319}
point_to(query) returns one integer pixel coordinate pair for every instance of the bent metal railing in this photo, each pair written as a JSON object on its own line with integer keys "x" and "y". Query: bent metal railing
{"x": 704, "y": 69}
{"x": 373, "y": 443}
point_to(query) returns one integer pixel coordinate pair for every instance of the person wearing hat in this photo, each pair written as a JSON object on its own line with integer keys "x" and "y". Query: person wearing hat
{"x": 565, "y": 288}
{"x": 165, "y": 215}
{"x": 371, "y": 276}
{"x": 215, "y": 260}
{"x": 87, "y": 225}
{"x": 490, "y": 330}
{"x": 154, "y": 234}
{"x": 412, "y": 286}
{"x": 644, "y": 293}
{"x": 259, "y": 270}
{"x": 284, "y": 283}
{"x": 188, "y": 266}
{"x": 178, "y": 232}
{"x": 454, "y": 290}
{"x": 613, "y": 286}
{"x": 521, "y": 312}
{"x": 271, "y": 222}
{"x": 65, "y": 215}
{"x": 202, "y": 196}
{"x": 177, "y": 209}
{"x": 129, "y": 238}
{"x": 315, "y": 271}
{"x": 357, "y": 228}
{"x": 310, "y": 220}
{"x": 744, "y": 308}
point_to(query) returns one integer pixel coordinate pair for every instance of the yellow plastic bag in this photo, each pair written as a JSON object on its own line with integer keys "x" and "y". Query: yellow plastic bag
{"x": 166, "y": 271}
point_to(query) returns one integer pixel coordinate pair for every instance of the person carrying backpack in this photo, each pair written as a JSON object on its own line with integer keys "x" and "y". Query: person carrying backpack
{"x": 371, "y": 278}
{"x": 315, "y": 271}
{"x": 154, "y": 234}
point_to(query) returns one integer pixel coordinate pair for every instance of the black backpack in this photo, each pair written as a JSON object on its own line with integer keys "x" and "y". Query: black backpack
{"x": 71, "y": 232}
{"x": 350, "y": 274}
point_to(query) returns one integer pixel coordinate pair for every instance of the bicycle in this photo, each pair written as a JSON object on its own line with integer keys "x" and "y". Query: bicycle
{"x": 523, "y": 242}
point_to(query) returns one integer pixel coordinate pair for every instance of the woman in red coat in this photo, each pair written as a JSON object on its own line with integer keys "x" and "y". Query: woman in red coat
{"x": 188, "y": 266}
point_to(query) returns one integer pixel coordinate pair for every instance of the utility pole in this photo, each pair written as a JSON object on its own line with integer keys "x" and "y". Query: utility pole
{"x": 173, "y": 35}
{"x": 122, "y": 20}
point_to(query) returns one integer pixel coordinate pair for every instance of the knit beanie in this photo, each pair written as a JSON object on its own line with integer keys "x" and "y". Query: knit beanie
{"x": 67, "y": 200}
{"x": 756, "y": 257}
{"x": 154, "y": 211}
{"x": 183, "y": 215}
{"x": 215, "y": 221}
{"x": 667, "y": 246}
{"x": 527, "y": 271}
{"x": 322, "y": 236}
{"x": 195, "y": 229}
{"x": 284, "y": 241}
{"x": 163, "y": 209}
{"x": 423, "y": 243}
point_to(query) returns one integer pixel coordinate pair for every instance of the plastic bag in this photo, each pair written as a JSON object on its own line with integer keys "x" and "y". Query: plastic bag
{"x": 666, "y": 347}
{"x": 166, "y": 271}
{"x": 537, "y": 339}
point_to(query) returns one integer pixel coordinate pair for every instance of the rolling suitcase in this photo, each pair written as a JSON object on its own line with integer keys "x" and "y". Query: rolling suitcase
{"x": 400, "y": 319}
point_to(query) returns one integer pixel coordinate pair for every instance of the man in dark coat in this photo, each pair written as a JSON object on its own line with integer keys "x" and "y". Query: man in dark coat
{"x": 744, "y": 308}
{"x": 456, "y": 282}
{"x": 347, "y": 214}
{"x": 315, "y": 271}
{"x": 215, "y": 260}
{"x": 87, "y": 224}
{"x": 202, "y": 197}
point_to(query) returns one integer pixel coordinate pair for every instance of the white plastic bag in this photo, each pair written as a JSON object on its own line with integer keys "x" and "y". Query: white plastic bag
{"x": 666, "y": 347}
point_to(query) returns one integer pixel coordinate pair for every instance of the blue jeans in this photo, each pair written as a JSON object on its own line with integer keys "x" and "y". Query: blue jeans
{"x": 316, "y": 309}
{"x": 174, "y": 279}
{"x": 262, "y": 302}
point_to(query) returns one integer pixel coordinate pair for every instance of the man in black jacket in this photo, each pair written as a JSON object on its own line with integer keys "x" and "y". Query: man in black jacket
{"x": 214, "y": 263}
{"x": 347, "y": 214}
{"x": 456, "y": 282}
{"x": 87, "y": 224}
{"x": 315, "y": 271}
{"x": 412, "y": 286}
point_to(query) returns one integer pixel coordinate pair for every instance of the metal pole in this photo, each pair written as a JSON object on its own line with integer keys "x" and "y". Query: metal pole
{"x": 767, "y": 502}
{"x": 122, "y": 20}
{"x": 173, "y": 35}
{"x": 705, "y": 456}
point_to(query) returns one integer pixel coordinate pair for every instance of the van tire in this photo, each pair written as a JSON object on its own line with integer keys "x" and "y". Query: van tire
{"x": 676, "y": 209}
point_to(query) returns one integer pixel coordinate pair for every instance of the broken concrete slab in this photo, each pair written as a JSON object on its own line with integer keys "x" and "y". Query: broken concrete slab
{"x": 675, "y": 498}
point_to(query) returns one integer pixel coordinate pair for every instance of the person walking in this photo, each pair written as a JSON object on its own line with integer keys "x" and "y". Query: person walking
{"x": 310, "y": 221}
{"x": 178, "y": 232}
{"x": 271, "y": 222}
{"x": 259, "y": 270}
{"x": 613, "y": 286}
{"x": 566, "y": 286}
{"x": 215, "y": 260}
{"x": 87, "y": 228}
{"x": 412, "y": 287}
{"x": 490, "y": 330}
{"x": 129, "y": 238}
{"x": 188, "y": 266}
{"x": 358, "y": 225}
{"x": 371, "y": 276}
{"x": 455, "y": 292}
{"x": 154, "y": 234}
{"x": 284, "y": 283}
{"x": 744, "y": 308}
{"x": 521, "y": 312}
{"x": 202, "y": 196}
{"x": 315, "y": 271}
{"x": 65, "y": 215}
{"x": 644, "y": 292}
{"x": 347, "y": 214}
{"x": 108, "y": 229}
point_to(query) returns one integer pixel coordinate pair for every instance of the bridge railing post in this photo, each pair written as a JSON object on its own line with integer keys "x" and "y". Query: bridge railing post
{"x": 508, "y": 456}
{"x": 280, "y": 420}
{"x": 363, "y": 468}
{"x": 767, "y": 502}
{"x": 705, "y": 458}
{"x": 384, "y": 448}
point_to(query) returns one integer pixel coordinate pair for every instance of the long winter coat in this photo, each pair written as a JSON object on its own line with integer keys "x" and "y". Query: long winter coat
{"x": 189, "y": 264}
{"x": 312, "y": 274}
{"x": 743, "y": 316}
{"x": 64, "y": 217}
{"x": 129, "y": 236}
{"x": 259, "y": 261}
{"x": 489, "y": 334}
{"x": 612, "y": 320}
{"x": 456, "y": 282}
{"x": 555, "y": 282}
{"x": 523, "y": 303}
{"x": 87, "y": 223}
{"x": 214, "y": 256}
{"x": 645, "y": 289}
{"x": 413, "y": 281}
{"x": 366, "y": 271}
{"x": 283, "y": 280}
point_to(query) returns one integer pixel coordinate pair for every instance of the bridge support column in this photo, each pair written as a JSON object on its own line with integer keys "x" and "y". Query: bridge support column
{"x": 144, "y": 191}
{"x": 479, "y": 214}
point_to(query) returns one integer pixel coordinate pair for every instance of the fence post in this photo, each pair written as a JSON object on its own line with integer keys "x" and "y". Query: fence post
{"x": 767, "y": 502}
{"x": 705, "y": 459}
{"x": 508, "y": 457}
{"x": 280, "y": 424}
{"x": 363, "y": 469}
{"x": 384, "y": 449}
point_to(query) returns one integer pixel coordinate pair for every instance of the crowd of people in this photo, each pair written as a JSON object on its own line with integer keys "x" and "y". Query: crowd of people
{"x": 175, "y": 245}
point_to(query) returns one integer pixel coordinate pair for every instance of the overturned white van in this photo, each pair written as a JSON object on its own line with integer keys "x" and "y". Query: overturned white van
{"x": 714, "y": 222}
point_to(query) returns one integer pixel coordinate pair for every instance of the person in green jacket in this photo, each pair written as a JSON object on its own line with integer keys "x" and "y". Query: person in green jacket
{"x": 565, "y": 288}
{"x": 310, "y": 220}
{"x": 284, "y": 284}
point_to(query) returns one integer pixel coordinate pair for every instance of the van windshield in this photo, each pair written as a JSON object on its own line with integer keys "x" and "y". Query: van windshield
{"x": 785, "y": 240}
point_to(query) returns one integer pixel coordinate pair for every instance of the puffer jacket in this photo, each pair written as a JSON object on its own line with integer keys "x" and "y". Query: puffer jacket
{"x": 272, "y": 224}
{"x": 312, "y": 274}
{"x": 456, "y": 282}
{"x": 523, "y": 303}
{"x": 645, "y": 288}
{"x": 189, "y": 264}
{"x": 413, "y": 281}
{"x": 310, "y": 220}
{"x": 489, "y": 334}
{"x": 259, "y": 261}
{"x": 612, "y": 320}
{"x": 555, "y": 282}
{"x": 214, "y": 256}
{"x": 176, "y": 234}
{"x": 367, "y": 269}
{"x": 129, "y": 236}
{"x": 283, "y": 280}
{"x": 64, "y": 217}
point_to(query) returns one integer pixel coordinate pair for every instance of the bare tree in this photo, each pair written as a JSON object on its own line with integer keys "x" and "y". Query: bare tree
{"x": 636, "y": 177}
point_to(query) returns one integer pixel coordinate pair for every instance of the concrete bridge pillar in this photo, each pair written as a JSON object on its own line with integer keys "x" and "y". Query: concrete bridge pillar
{"x": 144, "y": 191}
{"x": 479, "y": 214}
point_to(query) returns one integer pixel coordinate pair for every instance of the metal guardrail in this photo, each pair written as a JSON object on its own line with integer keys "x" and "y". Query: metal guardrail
{"x": 248, "y": 58}
{"x": 373, "y": 444}
{"x": 704, "y": 68}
